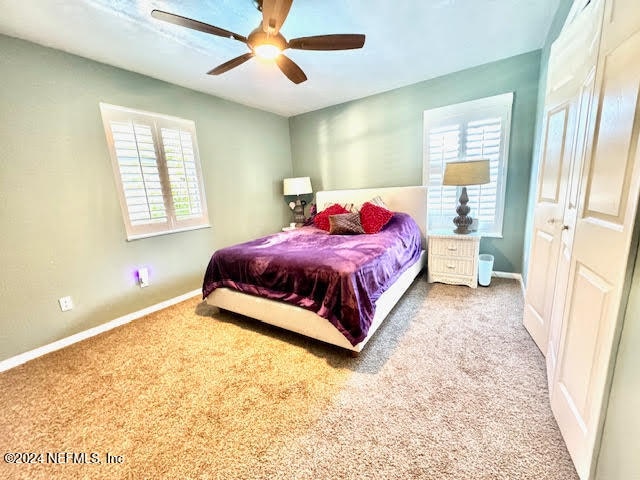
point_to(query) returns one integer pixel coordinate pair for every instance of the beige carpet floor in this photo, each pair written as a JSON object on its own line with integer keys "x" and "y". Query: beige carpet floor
{"x": 450, "y": 387}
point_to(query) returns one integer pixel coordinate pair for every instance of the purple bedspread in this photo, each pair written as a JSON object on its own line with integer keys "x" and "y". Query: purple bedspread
{"x": 339, "y": 277}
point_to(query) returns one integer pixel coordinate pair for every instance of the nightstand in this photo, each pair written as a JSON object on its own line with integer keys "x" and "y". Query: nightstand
{"x": 453, "y": 258}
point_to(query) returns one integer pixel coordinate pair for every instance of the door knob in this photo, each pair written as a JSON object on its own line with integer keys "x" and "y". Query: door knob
{"x": 565, "y": 227}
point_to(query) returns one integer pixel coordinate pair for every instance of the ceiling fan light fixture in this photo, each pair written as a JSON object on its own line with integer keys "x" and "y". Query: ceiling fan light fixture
{"x": 264, "y": 45}
{"x": 266, "y": 41}
{"x": 267, "y": 51}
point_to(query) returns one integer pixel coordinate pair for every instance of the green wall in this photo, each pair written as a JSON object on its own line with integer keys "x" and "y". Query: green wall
{"x": 554, "y": 32}
{"x": 62, "y": 231}
{"x": 377, "y": 141}
{"x": 619, "y": 456}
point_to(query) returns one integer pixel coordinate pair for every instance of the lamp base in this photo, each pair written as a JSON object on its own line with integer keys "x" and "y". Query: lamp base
{"x": 462, "y": 229}
{"x": 298, "y": 212}
{"x": 463, "y": 221}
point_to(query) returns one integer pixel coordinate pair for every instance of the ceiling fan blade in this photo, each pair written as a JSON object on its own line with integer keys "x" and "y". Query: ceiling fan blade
{"x": 328, "y": 42}
{"x": 195, "y": 25}
{"x": 290, "y": 69}
{"x": 234, "y": 62}
{"x": 274, "y": 13}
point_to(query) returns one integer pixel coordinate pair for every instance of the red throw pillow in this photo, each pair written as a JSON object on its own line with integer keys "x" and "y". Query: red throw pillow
{"x": 373, "y": 217}
{"x": 321, "y": 220}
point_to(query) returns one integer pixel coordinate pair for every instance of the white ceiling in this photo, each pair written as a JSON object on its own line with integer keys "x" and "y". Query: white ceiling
{"x": 407, "y": 41}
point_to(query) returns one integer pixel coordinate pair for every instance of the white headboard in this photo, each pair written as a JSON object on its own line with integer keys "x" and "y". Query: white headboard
{"x": 411, "y": 200}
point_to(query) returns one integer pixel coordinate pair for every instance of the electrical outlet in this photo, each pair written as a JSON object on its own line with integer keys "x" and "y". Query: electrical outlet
{"x": 143, "y": 277}
{"x": 65, "y": 303}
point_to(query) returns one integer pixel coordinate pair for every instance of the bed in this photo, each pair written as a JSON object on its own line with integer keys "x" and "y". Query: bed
{"x": 311, "y": 318}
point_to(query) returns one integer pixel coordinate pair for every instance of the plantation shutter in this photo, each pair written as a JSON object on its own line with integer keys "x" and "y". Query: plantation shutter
{"x": 483, "y": 142}
{"x": 157, "y": 171}
{"x": 139, "y": 174}
{"x": 444, "y": 146}
{"x": 468, "y": 131}
{"x": 182, "y": 172}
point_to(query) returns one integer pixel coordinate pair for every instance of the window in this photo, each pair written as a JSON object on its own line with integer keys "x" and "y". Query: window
{"x": 468, "y": 131}
{"x": 157, "y": 171}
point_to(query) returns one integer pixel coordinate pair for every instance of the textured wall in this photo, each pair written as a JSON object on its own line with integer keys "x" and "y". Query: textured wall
{"x": 377, "y": 141}
{"x": 62, "y": 231}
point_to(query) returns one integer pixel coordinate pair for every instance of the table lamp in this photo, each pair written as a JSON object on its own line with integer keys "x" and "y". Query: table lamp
{"x": 298, "y": 186}
{"x": 461, "y": 174}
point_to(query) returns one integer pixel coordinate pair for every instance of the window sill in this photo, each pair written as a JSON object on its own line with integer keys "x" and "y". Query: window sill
{"x": 490, "y": 234}
{"x": 165, "y": 232}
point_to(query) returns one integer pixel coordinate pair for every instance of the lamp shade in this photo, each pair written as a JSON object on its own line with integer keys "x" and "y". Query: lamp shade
{"x": 297, "y": 186}
{"x": 474, "y": 172}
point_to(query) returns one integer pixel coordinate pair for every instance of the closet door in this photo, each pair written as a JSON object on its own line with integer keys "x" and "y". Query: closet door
{"x": 598, "y": 272}
{"x": 569, "y": 218}
{"x": 567, "y": 99}
{"x": 585, "y": 73}
{"x": 550, "y": 203}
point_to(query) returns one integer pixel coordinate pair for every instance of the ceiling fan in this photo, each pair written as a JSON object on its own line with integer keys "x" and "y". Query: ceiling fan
{"x": 266, "y": 41}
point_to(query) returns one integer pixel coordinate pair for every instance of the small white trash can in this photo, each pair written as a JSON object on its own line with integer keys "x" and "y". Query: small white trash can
{"x": 485, "y": 268}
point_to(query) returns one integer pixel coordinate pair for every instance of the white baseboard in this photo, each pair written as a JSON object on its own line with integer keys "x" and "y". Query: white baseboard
{"x": 515, "y": 276}
{"x": 78, "y": 337}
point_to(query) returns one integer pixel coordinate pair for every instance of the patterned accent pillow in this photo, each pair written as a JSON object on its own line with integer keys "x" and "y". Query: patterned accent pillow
{"x": 345, "y": 224}
{"x": 355, "y": 208}
{"x": 349, "y": 207}
{"x": 321, "y": 220}
{"x": 352, "y": 207}
{"x": 377, "y": 200}
{"x": 373, "y": 217}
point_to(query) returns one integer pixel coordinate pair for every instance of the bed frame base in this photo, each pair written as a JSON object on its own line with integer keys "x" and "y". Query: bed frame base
{"x": 306, "y": 322}
{"x": 411, "y": 200}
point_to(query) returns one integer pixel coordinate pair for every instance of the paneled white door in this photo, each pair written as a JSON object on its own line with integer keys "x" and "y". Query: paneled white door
{"x": 549, "y": 210}
{"x": 567, "y": 233}
{"x": 569, "y": 89}
{"x": 588, "y": 39}
{"x": 598, "y": 271}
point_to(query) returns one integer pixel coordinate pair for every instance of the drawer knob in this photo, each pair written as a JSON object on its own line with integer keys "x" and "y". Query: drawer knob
{"x": 451, "y": 267}
{"x": 452, "y": 247}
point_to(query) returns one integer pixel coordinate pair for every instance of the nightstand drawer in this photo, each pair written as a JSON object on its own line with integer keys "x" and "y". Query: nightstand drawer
{"x": 453, "y": 266}
{"x": 452, "y": 248}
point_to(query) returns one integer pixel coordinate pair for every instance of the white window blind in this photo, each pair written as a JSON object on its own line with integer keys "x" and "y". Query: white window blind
{"x": 468, "y": 131}
{"x": 157, "y": 171}
{"x": 183, "y": 173}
